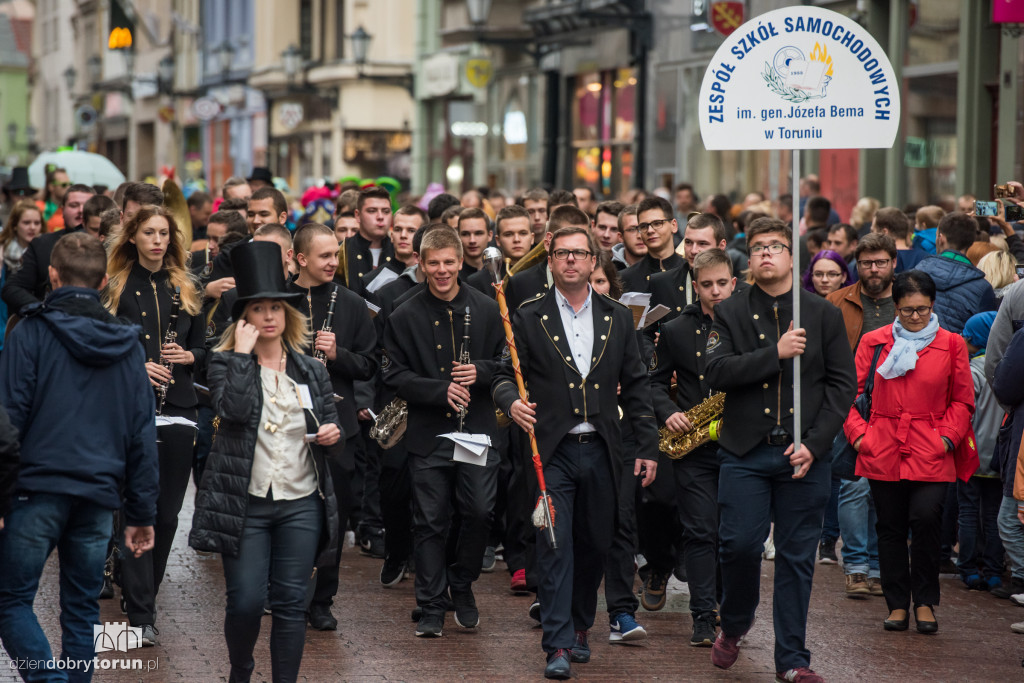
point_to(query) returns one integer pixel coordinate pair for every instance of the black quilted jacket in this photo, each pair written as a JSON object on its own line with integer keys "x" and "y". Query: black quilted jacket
{"x": 223, "y": 492}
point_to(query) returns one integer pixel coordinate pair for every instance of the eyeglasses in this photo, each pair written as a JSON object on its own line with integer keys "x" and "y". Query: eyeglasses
{"x": 822, "y": 275}
{"x": 773, "y": 248}
{"x": 910, "y": 311}
{"x": 635, "y": 228}
{"x": 68, "y": 184}
{"x": 644, "y": 227}
{"x": 563, "y": 254}
{"x": 877, "y": 263}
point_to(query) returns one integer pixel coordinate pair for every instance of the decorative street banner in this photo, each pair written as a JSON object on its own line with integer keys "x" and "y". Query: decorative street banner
{"x": 799, "y": 78}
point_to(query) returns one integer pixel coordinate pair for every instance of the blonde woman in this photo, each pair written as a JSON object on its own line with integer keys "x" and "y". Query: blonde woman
{"x": 1000, "y": 270}
{"x": 863, "y": 212}
{"x": 146, "y": 265}
{"x": 23, "y": 225}
{"x": 266, "y": 501}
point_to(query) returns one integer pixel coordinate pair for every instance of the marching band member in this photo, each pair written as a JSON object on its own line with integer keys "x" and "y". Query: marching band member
{"x": 147, "y": 267}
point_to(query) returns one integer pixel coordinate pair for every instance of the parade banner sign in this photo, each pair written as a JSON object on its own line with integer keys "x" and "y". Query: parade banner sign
{"x": 799, "y": 78}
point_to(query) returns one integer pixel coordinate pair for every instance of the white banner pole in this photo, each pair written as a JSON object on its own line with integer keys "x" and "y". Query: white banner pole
{"x": 797, "y": 284}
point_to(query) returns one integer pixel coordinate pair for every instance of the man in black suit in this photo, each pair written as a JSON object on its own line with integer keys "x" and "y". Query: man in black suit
{"x": 657, "y": 227}
{"x": 575, "y": 350}
{"x": 762, "y": 476}
{"x": 32, "y": 281}
{"x": 536, "y": 280}
{"x": 371, "y": 248}
{"x": 404, "y": 226}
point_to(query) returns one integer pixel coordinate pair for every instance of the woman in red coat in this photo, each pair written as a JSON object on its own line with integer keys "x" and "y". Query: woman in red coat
{"x": 921, "y": 411}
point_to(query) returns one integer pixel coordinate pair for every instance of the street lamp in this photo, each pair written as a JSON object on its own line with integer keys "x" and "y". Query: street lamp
{"x": 478, "y": 10}
{"x": 291, "y": 59}
{"x": 95, "y": 67}
{"x": 225, "y": 53}
{"x": 165, "y": 73}
{"x": 360, "y": 44}
{"x": 70, "y": 75}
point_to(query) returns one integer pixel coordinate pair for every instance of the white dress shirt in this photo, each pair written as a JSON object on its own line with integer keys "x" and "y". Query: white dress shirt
{"x": 282, "y": 460}
{"x": 579, "y": 333}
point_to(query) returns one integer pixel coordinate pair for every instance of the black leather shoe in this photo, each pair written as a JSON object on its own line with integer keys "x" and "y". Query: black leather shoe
{"x": 558, "y": 667}
{"x": 897, "y": 624}
{"x": 107, "y": 592}
{"x": 321, "y": 619}
{"x": 926, "y": 627}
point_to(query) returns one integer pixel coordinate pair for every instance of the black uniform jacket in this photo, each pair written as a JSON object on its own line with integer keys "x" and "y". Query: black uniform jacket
{"x": 394, "y": 265}
{"x": 356, "y": 354}
{"x": 673, "y": 289}
{"x": 146, "y": 301}
{"x": 483, "y": 281}
{"x": 563, "y": 397}
{"x": 637, "y": 277}
{"x": 31, "y": 283}
{"x": 743, "y": 361}
{"x": 421, "y": 339}
{"x": 681, "y": 350}
{"x": 359, "y": 260}
{"x": 528, "y": 284}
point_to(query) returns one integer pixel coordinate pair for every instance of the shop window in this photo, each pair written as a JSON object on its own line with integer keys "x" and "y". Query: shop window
{"x": 602, "y": 121}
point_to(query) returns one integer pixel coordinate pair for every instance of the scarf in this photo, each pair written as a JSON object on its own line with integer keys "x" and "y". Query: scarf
{"x": 906, "y": 345}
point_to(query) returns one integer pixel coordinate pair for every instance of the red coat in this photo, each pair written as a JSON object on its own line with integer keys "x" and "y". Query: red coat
{"x": 910, "y": 414}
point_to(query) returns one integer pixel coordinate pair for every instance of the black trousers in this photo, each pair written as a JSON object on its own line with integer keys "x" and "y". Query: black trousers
{"x": 342, "y": 466}
{"x": 436, "y": 480}
{"x": 396, "y": 502}
{"x": 141, "y": 577}
{"x": 657, "y": 517}
{"x": 619, "y": 568}
{"x": 521, "y": 497}
{"x": 696, "y": 482}
{"x": 367, "y": 481}
{"x": 911, "y": 508}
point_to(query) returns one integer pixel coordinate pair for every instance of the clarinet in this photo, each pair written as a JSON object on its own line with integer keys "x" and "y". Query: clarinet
{"x": 328, "y": 325}
{"x": 170, "y": 337}
{"x": 464, "y": 360}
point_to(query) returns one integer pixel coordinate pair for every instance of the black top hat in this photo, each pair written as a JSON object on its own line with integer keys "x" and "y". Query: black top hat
{"x": 259, "y": 275}
{"x": 262, "y": 173}
{"x": 19, "y": 181}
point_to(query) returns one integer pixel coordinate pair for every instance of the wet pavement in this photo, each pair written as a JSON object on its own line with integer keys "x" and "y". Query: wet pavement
{"x": 375, "y": 641}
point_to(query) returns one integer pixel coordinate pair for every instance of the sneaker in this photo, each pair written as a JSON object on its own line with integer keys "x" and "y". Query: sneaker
{"x": 535, "y": 611}
{"x": 1017, "y": 599}
{"x": 429, "y": 626}
{"x": 466, "y": 613}
{"x": 1018, "y": 627}
{"x": 857, "y": 585}
{"x": 371, "y": 543}
{"x": 321, "y": 619}
{"x": 800, "y": 674}
{"x": 974, "y": 582}
{"x": 875, "y": 586}
{"x": 149, "y": 634}
{"x": 579, "y": 653}
{"x": 827, "y": 551}
{"x": 1004, "y": 591}
{"x": 993, "y": 583}
{"x": 703, "y": 630}
{"x": 725, "y": 651}
{"x": 624, "y": 629}
{"x": 948, "y": 566}
{"x": 653, "y": 595}
{"x": 489, "y": 559}
{"x": 518, "y": 582}
{"x": 392, "y": 572}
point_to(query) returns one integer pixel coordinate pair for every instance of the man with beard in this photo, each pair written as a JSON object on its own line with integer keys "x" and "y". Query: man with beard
{"x": 866, "y": 305}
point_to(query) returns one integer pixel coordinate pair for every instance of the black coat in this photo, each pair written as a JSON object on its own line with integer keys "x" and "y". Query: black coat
{"x": 483, "y": 281}
{"x": 637, "y": 278}
{"x": 743, "y": 361}
{"x": 421, "y": 339}
{"x": 394, "y": 265}
{"x": 146, "y": 301}
{"x": 356, "y": 355}
{"x": 359, "y": 260}
{"x": 31, "y": 283}
{"x": 563, "y": 398}
{"x": 527, "y": 284}
{"x": 223, "y": 496}
{"x": 681, "y": 350}
{"x": 674, "y": 289}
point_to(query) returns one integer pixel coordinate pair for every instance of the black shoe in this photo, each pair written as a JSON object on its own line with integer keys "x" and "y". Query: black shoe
{"x": 392, "y": 572}
{"x": 417, "y": 612}
{"x": 926, "y": 627}
{"x": 703, "y": 630}
{"x": 430, "y": 626}
{"x": 580, "y": 652}
{"x": 535, "y": 611}
{"x": 371, "y": 543}
{"x": 466, "y": 613}
{"x": 107, "y": 592}
{"x": 321, "y": 619}
{"x": 897, "y": 624}
{"x": 653, "y": 596}
{"x": 948, "y": 566}
{"x": 827, "y": 551}
{"x": 489, "y": 560}
{"x": 558, "y": 667}
{"x": 1013, "y": 587}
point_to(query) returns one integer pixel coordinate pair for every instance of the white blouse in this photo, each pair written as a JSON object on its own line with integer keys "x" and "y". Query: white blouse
{"x": 282, "y": 461}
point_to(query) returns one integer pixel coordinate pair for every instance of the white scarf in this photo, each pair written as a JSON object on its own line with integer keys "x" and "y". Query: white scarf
{"x": 906, "y": 345}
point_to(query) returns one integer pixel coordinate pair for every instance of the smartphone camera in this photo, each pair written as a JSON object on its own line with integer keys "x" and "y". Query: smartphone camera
{"x": 1002, "y": 191}
{"x": 986, "y": 208}
{"x": 1014, "y": 213}
{"x": 1020, "y": 272}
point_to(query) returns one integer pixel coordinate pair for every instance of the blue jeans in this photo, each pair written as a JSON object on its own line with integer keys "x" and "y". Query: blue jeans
{"x": 753, "y": 490}
{"x": 1011, "y": 531}
{"x": 981, "y": 551}
{"x": 857, "y": 524}
{"x": 279, "y": 540}
{"x": 79, "y": 530}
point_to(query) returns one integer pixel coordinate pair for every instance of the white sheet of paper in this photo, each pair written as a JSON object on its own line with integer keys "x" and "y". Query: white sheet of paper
{"x": 655, "y": 314}
{"x": 470, "y": 448}
{"x": 166, "y": 421}
{"x": 386, "y": 275}
{"x": 635, "y": 299}
{"x": 305, "y": 400}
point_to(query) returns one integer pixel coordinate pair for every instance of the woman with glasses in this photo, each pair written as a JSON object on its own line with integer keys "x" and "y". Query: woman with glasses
{"x": 916, "y": 441}
{"x": 827, "y": 273}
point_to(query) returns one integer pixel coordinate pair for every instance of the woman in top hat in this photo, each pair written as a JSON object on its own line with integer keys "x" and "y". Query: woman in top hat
{"x": 266, "y": 501}
{"x": 147, "y": 268}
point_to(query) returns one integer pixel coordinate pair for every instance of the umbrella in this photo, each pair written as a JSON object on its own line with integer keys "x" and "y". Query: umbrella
{"x": 82, "y": 167}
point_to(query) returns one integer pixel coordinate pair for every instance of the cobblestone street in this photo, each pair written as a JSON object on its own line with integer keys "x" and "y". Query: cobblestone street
{"x": 375, "y": 641}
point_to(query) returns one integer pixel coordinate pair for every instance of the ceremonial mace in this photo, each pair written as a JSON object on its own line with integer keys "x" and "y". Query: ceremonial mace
{"x": 493, "y": 262}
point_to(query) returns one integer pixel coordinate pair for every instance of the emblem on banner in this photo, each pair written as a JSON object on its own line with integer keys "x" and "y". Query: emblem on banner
{"x": 726, "y": 17}
{"x": 796, "y": 78}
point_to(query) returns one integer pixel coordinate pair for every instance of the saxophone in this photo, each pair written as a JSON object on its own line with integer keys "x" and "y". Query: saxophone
{"x": 706, "y": 418}
{"x": 328, "y": 325}
{"x": 389, "y": 427}
{"x": 170, "y": 337}
{"x": 464, "y": 360}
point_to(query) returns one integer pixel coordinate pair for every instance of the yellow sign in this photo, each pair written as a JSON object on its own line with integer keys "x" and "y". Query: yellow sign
{"x": 479, "y": 72}
{"x": 120, "y": 38}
